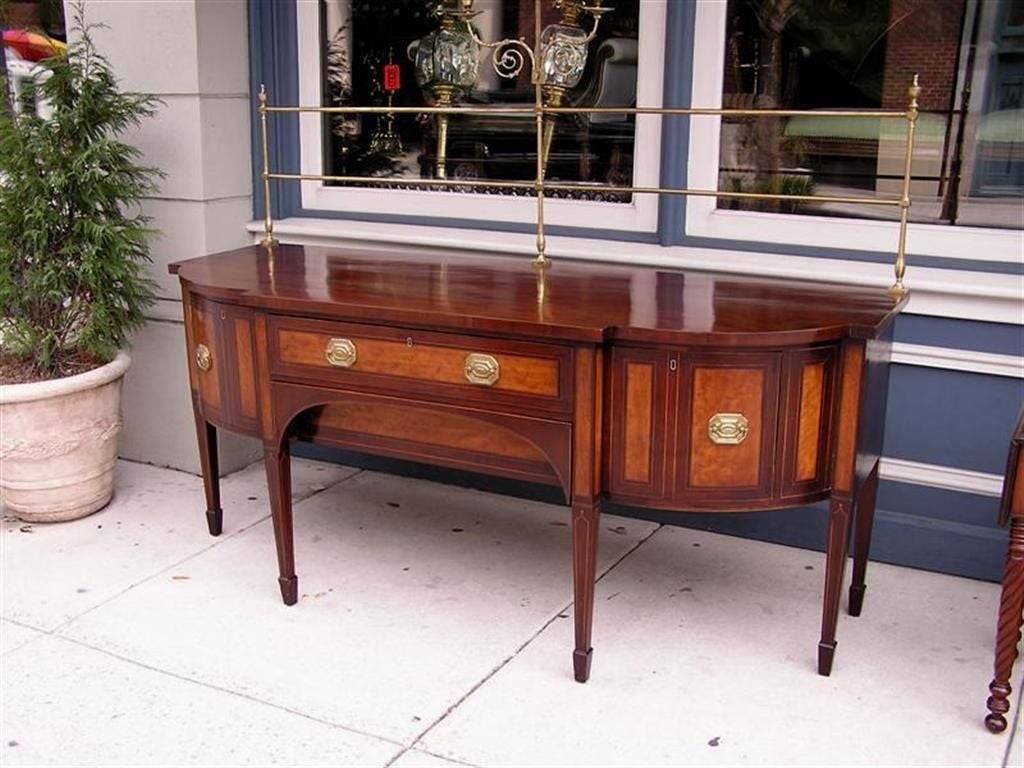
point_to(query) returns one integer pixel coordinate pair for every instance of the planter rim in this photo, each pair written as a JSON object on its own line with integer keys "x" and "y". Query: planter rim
{"x": 40, "y": 390}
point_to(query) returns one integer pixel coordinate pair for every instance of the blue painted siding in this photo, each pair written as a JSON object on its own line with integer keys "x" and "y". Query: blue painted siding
{"x": 273, "y": 63}
{"x": 951, "y": 418}
{"x": 973, "y": 551}
{"x": 675, "y": 129}
{"x": 962, "y": 334}
{"x": 939, "y": 504}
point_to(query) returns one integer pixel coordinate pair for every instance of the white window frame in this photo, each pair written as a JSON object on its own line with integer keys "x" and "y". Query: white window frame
{"x": 704, "y": 219}
{"x": 640, "y": 215}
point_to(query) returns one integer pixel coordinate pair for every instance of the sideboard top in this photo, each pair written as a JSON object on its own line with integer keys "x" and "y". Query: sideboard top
{"x": 571, "y": 300}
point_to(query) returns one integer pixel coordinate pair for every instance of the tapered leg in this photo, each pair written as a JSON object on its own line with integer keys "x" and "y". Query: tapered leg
{"x": 864, "y": 517}
{"x": 279, "y": 482}
{"x": 585, "y": 521}
{"x": 1011, "y": 605}
{"x": 835, "y": 565}
{"x": 207, "y": 434}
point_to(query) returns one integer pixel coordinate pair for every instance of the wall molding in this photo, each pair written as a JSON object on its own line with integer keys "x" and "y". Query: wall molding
{"x": 972, "y": 361}
{"x": 938, "y": 476}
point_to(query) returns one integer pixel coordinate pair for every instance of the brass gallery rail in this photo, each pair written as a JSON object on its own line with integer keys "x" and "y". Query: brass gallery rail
{"x": 540, "y": 186}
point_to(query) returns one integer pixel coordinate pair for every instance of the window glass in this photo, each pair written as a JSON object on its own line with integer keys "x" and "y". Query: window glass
{"x": 402, "y": 53}
{"x": 862, "y": 54}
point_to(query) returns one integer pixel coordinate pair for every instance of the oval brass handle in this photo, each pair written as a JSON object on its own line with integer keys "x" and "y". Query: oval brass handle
{"x": 204, "y": 360}
{"x": 728, "y": 428}
{"x": 482, "y": 370}
{"x": 341, "y": 353}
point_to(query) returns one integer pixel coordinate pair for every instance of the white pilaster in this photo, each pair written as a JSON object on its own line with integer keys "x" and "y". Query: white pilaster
{"x": 193, "y": 54}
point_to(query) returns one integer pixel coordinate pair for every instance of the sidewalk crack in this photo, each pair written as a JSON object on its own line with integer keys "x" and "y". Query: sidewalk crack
{"x": 216, "y": 542}
{"x": 508, "y": 659}
{"x": 222, "y": 689}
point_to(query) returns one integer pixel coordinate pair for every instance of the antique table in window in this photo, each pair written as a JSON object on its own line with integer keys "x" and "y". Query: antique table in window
{"x": 667, "y": 389}
{"x": 1011, "y": 603}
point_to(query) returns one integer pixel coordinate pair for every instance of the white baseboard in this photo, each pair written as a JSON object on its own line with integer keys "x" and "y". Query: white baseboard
{"x": 1011, "y": 366}
{"x": 938, "y": 476}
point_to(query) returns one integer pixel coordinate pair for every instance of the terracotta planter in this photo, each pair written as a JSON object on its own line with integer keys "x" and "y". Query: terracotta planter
{"x": 58, "y": 444}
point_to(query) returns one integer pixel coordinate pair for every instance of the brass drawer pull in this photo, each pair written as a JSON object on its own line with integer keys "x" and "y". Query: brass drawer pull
{"x": 341, "y": 353}
{"x": 728, "y": 428}
{"x": 482, "y": 370}
{"x": 204, "y": 360}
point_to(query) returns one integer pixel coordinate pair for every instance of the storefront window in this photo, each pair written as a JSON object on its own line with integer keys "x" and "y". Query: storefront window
{"x": 862, "y": 54}
{"x": 402, "y": 53}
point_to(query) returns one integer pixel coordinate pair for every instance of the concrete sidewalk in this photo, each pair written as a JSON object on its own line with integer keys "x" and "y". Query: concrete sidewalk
{"x": 434, "y": 629}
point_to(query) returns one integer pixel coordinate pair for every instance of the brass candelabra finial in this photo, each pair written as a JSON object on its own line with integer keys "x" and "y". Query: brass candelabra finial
{"x": 541, "y": 269}
{"x": 268, "y": 240}
{"x": 898, "y": 289}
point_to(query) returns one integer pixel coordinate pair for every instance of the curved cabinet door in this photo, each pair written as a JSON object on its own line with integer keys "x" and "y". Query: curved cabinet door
{"x": 221, "y": 359}
{"x": 726, "y": 428}
{"x": 696, "y": 429}
{"x": 810, "y": 383}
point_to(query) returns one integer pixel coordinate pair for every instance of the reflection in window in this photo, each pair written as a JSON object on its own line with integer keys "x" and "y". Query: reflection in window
{"x": 369, "y": 58}
{"x": 861, "y": 54}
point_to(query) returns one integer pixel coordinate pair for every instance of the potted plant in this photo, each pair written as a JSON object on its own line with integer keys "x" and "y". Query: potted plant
{"x": 73, "y": 282}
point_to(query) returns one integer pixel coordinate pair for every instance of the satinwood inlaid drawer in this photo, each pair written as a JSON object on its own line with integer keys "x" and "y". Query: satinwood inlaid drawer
{"x": 455, "y": 367}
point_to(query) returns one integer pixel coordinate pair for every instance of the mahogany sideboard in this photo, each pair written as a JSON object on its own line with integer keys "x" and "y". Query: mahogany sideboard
{"x": 666, "y": 389}
{"x": 1011, "y": 603}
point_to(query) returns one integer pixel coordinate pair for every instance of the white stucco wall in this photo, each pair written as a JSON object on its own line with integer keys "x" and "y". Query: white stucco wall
{"x": 193, "y": 54}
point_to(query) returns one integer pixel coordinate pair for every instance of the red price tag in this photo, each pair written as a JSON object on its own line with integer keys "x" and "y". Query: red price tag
{"x": 392, "y": 77}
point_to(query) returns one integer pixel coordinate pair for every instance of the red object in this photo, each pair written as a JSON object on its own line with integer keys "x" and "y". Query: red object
{"x": 31, "y": 46}
{"x": 392, "y": 77}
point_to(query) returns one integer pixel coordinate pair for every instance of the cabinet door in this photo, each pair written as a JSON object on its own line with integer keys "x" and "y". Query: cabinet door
{"x": 206, "y": 358}
{"x": 809, "y": 397}
{"x": 638, "y": 421}
{"x": 222, "y": 363}
{"x": 725, "y": 434}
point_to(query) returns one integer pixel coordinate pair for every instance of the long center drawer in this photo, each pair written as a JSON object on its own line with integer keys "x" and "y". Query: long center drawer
{"x": 515, "y": 375}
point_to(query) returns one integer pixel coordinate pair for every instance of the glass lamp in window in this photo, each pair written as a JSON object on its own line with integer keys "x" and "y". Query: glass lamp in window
{"x": 563, "y": 51}
{"x": 563, "y": 56}
{"x": 446, "y": 66}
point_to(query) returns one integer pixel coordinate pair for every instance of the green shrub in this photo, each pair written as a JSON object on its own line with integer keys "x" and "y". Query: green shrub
{"x": 74, "y": 246}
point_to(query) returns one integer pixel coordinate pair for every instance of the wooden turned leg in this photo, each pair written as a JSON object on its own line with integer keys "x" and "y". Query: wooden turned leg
{"x": 585, "y": 521}
{"x": 279, "y": 482}
{"x": 835, "y": 565}
{"x": 1011, "y": 605}
{"x": 864, "y": 517}
{"x": 207, "y": 434}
